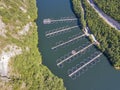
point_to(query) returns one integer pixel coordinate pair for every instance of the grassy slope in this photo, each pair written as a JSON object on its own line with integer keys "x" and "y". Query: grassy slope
{"x": 110, "y": 7}
{"x": 27, "y": 71}
{"x": 107, "y": 36}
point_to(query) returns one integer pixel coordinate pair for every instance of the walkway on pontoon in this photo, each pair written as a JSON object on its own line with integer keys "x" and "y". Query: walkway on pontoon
{"x": 83, "y": 66}
{"x": 64, "y": 43}
{"x": 48, "y": 21}
{"x": 74, "y": 54}
{"x": 60, "y": 30}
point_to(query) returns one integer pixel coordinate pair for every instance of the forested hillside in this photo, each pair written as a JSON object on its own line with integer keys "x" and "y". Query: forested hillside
{"x": 18, "y": 31}
{"x": 110, "y": 7}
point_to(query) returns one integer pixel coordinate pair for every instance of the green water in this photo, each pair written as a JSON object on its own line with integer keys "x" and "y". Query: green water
{"x": 101, "y": 77}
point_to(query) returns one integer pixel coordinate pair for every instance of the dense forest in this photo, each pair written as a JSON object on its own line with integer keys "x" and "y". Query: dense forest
{"x": 108, "y": 37}
{"x": 110, "y": 7}
{"x": 26, "y": 70}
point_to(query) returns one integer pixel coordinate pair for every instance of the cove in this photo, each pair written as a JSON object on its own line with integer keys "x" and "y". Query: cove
{"x": 101, "y": 76}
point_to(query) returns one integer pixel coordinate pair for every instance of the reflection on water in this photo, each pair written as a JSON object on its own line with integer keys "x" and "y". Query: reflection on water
{"x": 67, "y": 52}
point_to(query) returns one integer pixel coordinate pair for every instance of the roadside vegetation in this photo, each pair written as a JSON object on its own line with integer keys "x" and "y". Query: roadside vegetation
{"x": 26, "y": 70}
{"x": 110, "y": 7}
{"x": 108, "y": 37}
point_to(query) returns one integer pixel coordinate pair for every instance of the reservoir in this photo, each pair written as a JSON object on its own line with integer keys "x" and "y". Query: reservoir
{"x": 60, "y": 37}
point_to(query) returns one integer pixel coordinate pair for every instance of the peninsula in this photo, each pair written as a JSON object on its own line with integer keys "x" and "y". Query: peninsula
{"x": 102, "y": 26}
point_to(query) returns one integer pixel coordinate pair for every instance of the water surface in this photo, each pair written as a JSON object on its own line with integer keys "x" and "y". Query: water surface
{"x": 101, "y": 77}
